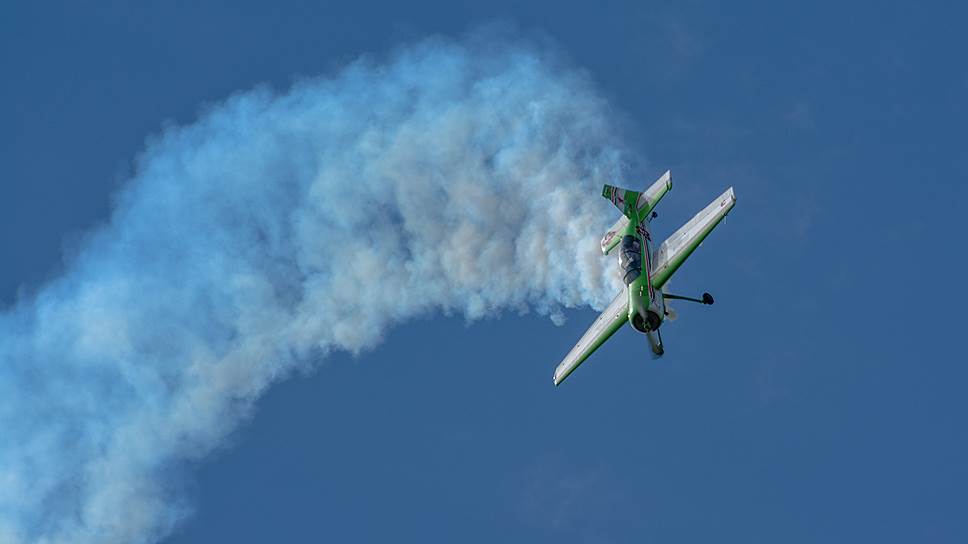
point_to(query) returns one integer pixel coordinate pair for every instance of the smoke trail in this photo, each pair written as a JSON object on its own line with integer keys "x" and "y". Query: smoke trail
{"x": 455, "y": 177}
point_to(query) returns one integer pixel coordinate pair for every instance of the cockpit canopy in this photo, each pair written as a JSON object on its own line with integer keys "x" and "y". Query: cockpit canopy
{"x": 630, "y": 258}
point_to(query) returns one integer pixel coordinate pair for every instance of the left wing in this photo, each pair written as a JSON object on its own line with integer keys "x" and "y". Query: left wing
{"x": 601, "y": 330}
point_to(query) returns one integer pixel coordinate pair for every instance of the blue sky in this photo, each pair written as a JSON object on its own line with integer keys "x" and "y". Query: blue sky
{"x": 820, "y": 399}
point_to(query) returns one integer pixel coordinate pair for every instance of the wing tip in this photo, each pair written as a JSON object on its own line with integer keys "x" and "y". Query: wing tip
{"x": 667, "y": 176}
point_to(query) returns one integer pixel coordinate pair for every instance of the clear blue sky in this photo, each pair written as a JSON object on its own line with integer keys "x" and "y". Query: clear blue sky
{"x": 820, "y": 400}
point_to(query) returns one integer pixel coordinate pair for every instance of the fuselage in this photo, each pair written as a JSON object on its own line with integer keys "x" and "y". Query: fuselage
{"x": 635, "y": 260}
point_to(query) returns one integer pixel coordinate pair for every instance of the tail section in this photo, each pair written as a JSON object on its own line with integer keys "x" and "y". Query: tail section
{"x": 644, "y": 204}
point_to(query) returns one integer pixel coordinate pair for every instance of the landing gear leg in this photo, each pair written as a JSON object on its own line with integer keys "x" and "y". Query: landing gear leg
{"x": 706, "y": 298}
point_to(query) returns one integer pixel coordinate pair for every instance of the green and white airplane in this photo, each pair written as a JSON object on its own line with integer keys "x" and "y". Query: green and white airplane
{"x": 642, "y": 303}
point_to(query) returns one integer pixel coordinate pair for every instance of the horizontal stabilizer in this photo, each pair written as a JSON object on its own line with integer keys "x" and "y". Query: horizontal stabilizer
{"x": 677, "y": 248}
{"x": 624, "y": 199}
{"x": 646, "y": 203}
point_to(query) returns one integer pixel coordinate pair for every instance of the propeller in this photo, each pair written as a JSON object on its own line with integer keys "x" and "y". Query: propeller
{"x": 655, "y": 342}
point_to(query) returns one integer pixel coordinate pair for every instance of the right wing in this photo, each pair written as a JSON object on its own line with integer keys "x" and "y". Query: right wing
{"x": 601, "y": 330}
{"x": 677, "y": 248}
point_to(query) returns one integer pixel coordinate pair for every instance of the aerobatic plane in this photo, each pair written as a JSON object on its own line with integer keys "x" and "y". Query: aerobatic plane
{"x": 642, "y": 303}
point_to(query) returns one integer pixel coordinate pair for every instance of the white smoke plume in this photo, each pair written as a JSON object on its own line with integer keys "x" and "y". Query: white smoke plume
{"x": 457, "y": 177}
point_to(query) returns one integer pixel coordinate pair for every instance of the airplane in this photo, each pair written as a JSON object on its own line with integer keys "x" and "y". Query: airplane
{"x": 642, "y": 302}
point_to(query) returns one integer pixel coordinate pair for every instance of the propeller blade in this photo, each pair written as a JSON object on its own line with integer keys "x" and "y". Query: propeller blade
{"x": 655, "y": 342}
{"x": 671, "y": 313}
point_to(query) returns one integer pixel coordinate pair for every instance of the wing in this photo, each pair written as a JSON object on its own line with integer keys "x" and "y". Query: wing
{"x": 677, "y": 248}
{"x": 601, "y": 330}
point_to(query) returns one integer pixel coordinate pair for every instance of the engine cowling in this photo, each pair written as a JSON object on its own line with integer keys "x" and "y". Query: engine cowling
{"x": 646, "y": 323}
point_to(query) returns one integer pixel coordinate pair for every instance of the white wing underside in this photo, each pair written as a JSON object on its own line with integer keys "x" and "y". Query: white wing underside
{"x": 676, "y": 249}
{"x": 601, "y": 330}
